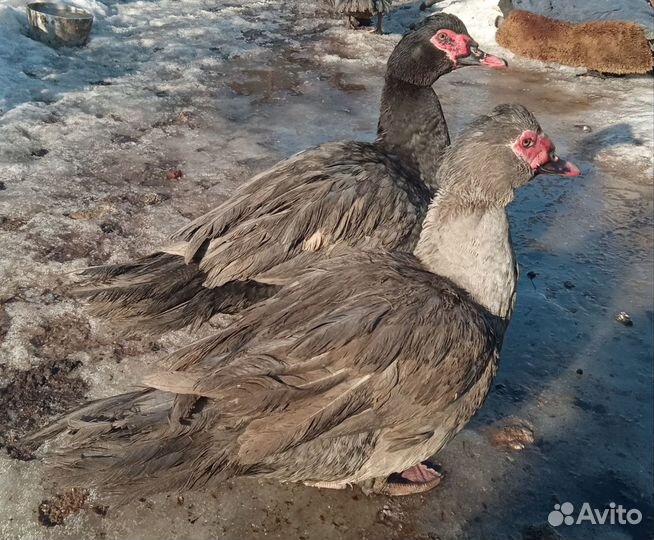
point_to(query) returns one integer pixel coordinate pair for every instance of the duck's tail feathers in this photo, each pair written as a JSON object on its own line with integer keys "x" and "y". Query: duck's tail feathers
{"x": 162, "y": 292}
{"x": 131, "y": 445}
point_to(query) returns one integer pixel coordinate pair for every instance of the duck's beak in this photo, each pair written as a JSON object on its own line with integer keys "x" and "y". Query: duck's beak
{"x": 559, "y": 167}
{"x": 477, "y": 57}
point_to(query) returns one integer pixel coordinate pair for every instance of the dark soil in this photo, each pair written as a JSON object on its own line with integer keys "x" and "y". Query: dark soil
{"x": 54, "y": 511}
{"x": 34, "y": 396}
{"x": 61, "y": 336}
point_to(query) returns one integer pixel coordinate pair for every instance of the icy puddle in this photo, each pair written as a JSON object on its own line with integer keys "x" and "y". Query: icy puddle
{"x": 106, "y": 167}
{"x": 580, "y": 380}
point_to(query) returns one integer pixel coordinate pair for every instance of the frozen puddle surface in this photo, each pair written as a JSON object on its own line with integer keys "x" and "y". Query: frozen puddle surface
{"x": 92, "y": 142}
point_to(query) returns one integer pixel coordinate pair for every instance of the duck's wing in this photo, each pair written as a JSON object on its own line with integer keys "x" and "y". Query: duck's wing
{"x": 362, "y": 345}
{"x": 338, "y": 193}
{"x": 362, "y": 350}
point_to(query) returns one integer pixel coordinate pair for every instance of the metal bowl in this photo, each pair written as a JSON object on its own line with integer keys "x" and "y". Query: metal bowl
{"x": 59, "y": 24}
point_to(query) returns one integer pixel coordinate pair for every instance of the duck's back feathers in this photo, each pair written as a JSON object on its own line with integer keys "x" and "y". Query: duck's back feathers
{"x": 339, "y": 193}
{"x": 364, "y": 353}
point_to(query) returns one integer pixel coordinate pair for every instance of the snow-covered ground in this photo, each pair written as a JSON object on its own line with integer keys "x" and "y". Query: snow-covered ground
{"x": 222, "y": 89}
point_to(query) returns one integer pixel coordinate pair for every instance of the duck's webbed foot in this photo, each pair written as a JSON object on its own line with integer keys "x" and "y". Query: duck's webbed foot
{"x": 417, "y": 479}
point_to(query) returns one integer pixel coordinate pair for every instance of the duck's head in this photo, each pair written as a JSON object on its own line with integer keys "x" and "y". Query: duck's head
{"x": 534, "y": 150}
{"x": 497, "y": 154}
{"x": 438, "y": 45}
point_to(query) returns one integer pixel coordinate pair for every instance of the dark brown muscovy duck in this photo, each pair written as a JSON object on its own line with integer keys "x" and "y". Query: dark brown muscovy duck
{"x": 361, "y": 368}
{"x": 353, "y": 193}
{"x": 360, "y": 12}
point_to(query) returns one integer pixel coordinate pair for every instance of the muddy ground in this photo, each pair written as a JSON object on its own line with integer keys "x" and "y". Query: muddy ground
{"x": 106, "y": 171}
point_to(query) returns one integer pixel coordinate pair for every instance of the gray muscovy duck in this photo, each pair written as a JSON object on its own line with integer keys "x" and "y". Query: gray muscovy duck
{"x": 353, "y": 193}
{"x": 364, "y": 366}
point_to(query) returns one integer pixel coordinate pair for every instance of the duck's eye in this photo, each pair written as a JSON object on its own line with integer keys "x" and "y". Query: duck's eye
{"x": 528, "y": 142}
{"x": 443, "y": 37}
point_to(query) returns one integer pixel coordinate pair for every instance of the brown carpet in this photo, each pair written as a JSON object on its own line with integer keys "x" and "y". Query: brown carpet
{"x": 617, "y": 47}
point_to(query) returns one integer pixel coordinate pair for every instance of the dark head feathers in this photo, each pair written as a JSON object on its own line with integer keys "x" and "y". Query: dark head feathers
{"x": 429, "y": 25}
{"x": 415, "y": 60}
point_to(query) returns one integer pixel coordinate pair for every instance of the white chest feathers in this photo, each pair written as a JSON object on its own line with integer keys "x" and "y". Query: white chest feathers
{"x": 474, "y": 250}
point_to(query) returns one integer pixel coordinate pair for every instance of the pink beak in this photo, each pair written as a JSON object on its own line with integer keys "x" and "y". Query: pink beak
{"x": 559, "y": 167}
{"x": 477, "y": 57}
{"x": 493, "y": 61}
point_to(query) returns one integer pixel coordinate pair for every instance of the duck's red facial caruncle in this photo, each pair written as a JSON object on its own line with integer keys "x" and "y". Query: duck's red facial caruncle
{"x": 538, "y": 151}
{"x": 462, "y": 50}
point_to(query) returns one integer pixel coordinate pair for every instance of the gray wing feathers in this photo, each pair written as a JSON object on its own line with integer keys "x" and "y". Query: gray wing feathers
{"x": 333, "y": 194}
{"x": 162, "y": 292}
{"x": 362, "y": 346}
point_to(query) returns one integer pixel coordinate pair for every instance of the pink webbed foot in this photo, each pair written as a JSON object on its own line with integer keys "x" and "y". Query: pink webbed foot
{"x": 417, "y": 479}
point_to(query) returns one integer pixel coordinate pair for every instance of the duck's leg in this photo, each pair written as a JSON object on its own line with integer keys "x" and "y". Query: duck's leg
{"x": 417, "y": 479}
{"x": 378, "y": 28}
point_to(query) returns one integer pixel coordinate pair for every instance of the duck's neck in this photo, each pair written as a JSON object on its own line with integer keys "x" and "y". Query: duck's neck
{"x": 412, "y": 126}
{"x": 472, "y": 248}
